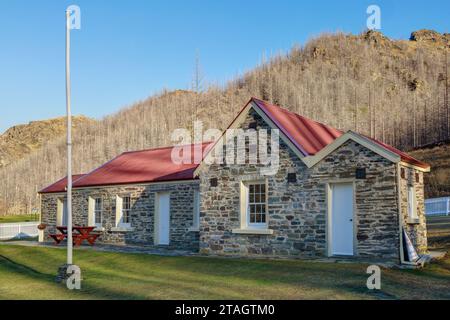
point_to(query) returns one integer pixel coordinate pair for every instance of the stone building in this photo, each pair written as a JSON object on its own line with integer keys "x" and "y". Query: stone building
{"x": 138, "y": 198}
{"x": 311, "y": 191}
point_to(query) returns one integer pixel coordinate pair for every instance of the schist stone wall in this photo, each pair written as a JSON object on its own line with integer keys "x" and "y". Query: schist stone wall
{"x": 142, "y": 213}
{"x": 297, "y": 211}
{"x": 416, "y": 230}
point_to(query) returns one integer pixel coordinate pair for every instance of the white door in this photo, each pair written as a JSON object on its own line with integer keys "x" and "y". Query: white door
{"x": 163, "y": 219}
{"x": 341, "y": 219}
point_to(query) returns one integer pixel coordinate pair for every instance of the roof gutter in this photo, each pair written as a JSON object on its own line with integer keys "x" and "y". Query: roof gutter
{"x": 115, "y": 185}
{"x": 409, "y": 165}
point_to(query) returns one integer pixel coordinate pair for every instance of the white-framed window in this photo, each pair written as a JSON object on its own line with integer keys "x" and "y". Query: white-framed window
{"x": 254, "y": 205}
{"x": 98, "y": 211}
{"x": 123, "y": 211}
{"x": 196, "y": 217}
{"x": 412, "y": 203}
{"x": 95, "y": 212}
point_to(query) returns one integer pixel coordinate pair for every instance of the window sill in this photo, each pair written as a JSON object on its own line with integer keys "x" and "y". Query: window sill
{"x": 194, "y": 229}
{"x": 413, "y": 221}
{"x": 252, "y": 231}
{"x": 122, "y": 229}
{"x": 99, "y": 229}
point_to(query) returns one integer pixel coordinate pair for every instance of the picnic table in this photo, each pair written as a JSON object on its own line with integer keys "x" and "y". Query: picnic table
{"x": 80, "y": 235}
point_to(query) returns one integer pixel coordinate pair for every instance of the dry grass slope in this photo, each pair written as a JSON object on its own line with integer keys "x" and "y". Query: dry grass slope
{"x": 21, "y": 140}
{"x": 391, "y": 90}
{"x": 437, "y": 182}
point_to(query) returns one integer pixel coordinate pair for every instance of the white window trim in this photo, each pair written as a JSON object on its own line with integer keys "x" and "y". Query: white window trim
{"x": 119, "y": 213}
{"x": 60, "y": 211}
{"x": 91, "y": 213}
{"x": 247, "y": 227}
{"x": 196, "y": 212}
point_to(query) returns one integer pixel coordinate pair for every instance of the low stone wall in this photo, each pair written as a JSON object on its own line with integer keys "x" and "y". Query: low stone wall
{"x": 141, "y": 216}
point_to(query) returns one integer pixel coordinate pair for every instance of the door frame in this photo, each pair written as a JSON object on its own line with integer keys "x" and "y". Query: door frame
{"x": 156, "y": 220}
{"x": 329, "y": 213}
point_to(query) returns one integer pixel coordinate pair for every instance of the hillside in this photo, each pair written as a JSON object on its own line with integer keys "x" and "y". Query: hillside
{"x": 437, "y": 182}
{"x": 393, "y": 90}
{"x": 20, "y": 140}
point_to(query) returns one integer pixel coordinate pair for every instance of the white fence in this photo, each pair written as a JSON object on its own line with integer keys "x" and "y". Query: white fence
{"x": 437, "y": 206}
{"x": 19, "y": 230}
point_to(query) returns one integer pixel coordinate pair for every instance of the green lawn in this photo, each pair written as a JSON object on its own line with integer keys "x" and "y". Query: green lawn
{"x": 19, "y": 218}
{"x": 28, "y": 273}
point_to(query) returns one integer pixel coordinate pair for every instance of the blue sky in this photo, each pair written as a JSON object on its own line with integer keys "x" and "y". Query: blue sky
{"x": 128, "y": 50}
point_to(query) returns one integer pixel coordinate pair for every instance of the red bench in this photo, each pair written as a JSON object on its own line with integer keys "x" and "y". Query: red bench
{"x": 58, "y": 238}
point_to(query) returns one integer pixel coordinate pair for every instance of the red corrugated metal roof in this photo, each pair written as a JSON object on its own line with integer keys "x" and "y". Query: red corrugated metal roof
{"x": 308, "y": 135}
{"x": 154, "y": 165}
{"x": 60, "y": 185}
{"x": 405, "y": 157}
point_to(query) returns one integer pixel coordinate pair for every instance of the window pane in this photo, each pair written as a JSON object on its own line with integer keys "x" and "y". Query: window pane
{"x": 126, "y": 203}
{"x": 98, "y": 217}
{"x": 98, "y": 204}
{"x": 256, "y": 203}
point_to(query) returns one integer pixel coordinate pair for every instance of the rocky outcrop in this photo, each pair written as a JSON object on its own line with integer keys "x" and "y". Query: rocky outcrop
{"x": 21, "y": 140}
{"x": 376, "y": 37}
{"x": 431, "y": 36}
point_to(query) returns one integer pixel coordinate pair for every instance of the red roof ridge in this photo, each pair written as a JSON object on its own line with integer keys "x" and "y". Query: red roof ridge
{"x": 403, "y": 155}
{"x": 308, "y": 135}
{"x": 97, "y": 168}
{"x": 166, "y": 147}
{"x": 325, "y": 126}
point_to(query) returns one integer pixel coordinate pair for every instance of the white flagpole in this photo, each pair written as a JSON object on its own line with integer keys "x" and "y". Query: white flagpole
{"x": 69, "y": 144}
